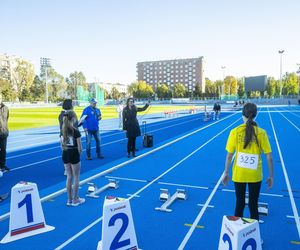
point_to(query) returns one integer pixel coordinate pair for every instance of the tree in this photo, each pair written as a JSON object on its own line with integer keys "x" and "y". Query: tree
{"x": 179, "y": 90}
{"x": 77, "y": 79}
{"x": 219, "y": 87}
{"x": 210, "y": 88}
{"x": 162, "y": 91}
{"x": 241, "y": 87}
{"x": 7, "y": 90}
{"x": 115, "y": 94}
{"x": 271, "y": 87}
{"x": 230, "y": 85}
{"x": 197, "y": 92}
{"x": 140, "y": 89}
{"x": 23, "y": 77}
{"x": 290, "y": 84}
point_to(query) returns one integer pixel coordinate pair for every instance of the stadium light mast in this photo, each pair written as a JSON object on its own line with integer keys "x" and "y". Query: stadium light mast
{"x": 45, "y": 63}
{"x": 223, "y": 70}
{"x": 280, "y": 53}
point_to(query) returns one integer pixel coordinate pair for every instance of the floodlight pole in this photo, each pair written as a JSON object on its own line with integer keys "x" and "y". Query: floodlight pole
{"x": 280, "y": 52}
{"x": 45, "y": 62}
{"x": 223, "y": 69}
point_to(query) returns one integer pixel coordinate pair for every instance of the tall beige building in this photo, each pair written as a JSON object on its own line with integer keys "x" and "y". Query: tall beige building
{"x": 189, "y": 72}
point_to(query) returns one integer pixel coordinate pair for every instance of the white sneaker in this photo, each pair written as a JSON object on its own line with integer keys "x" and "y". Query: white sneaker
{"x": 78, "y": 202}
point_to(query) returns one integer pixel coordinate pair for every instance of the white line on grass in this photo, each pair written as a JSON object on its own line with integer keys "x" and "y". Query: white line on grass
{"x": 292, "y": 200}
{"x": 154, "y": 180}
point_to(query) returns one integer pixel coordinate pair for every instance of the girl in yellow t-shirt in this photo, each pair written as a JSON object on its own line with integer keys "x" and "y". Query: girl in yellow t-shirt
{"x": 248, "y": 141}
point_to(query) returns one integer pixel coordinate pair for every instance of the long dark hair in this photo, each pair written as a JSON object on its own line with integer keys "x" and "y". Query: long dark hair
{"x": 68, "y": 125}
{"x": 250, "y": 111}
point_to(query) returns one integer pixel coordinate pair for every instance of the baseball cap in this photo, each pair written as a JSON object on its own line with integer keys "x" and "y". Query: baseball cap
{"x": 93, "y": 100}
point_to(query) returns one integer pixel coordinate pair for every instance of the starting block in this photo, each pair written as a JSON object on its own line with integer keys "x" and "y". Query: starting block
{"x": 239, "y": 233}
{"x": 93, "y": 190}
{"x": 180, "y": 194}
{"x": 263, "y": 208}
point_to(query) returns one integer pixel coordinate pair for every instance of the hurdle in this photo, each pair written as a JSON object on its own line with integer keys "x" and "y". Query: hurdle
{"x": 180, "y": 194}
{"x": 93, "y": 190}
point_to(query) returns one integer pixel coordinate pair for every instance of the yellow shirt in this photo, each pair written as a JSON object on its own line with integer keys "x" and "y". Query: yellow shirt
{"x": 247, "y": 165}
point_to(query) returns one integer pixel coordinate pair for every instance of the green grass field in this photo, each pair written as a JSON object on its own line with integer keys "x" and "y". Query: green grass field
{"x": 22, "y": 118}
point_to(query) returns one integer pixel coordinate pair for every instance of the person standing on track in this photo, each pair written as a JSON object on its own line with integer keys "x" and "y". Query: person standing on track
{"x": 217, "y": 110}
{"x": 92, "y": 116}
{"x": 72, "y": 149}
{"x": 248, "y": 141}
{"x": 131, "y": 125}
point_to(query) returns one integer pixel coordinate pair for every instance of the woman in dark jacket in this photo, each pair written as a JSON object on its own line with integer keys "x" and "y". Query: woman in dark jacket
{"x": 131, "y": 124}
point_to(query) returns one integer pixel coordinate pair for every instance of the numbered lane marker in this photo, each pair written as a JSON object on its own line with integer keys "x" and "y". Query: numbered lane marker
{"x": 26, "y": 213}
{"x": 239, "y": 234}
{"x": 117, "y": 227}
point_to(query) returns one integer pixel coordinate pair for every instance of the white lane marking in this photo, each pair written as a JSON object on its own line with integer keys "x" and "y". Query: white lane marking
{"x": 181, "y": 185}
{"x": 153, "y": 181}
{"x": 292, "y": 200}
{"x": 290, "y": 121}
{"x": 202, "y": 205}
{"x": 290, "y": 216}
{"x": 125, "y": 179}
{"x": 264, "y": 194}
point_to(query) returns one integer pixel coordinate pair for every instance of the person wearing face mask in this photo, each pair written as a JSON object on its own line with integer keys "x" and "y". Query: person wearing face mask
{"x": 131, "y": 125}
{"x": 4, "y": 115}
{"x": 248, "y": 142}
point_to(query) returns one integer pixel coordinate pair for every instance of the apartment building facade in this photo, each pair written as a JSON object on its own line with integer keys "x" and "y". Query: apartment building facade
{"x": 189, "y": 72}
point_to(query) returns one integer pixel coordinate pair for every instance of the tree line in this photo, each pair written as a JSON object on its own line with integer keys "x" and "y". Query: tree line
{"x": 24, "y": 85}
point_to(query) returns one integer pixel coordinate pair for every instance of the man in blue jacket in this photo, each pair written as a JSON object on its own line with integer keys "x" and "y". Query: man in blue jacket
{"x": 91, "y": 116}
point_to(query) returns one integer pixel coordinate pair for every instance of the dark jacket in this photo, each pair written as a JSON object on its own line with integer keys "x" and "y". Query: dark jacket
{"x": 130, "y": 122}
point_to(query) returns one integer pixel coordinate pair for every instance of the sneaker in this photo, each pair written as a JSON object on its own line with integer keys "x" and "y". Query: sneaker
{"x": 128, "y": 155}
{"x": 89, "y": 158}
{"x": 69, "y": 203}
{"x": 133, "y": 154}
{"x": 5, "y": 169}
{"x": 78, "y": 202}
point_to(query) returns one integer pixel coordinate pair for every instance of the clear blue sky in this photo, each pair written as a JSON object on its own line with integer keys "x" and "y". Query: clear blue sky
{"x": 105, "y": 39}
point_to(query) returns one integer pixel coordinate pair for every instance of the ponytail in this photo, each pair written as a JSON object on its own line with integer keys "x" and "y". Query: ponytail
{"x": 250, "y": 111}
{"x": 67, "y": 127}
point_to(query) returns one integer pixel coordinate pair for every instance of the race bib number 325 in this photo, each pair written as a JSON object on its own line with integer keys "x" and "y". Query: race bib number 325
{"x": 245, "y": 160}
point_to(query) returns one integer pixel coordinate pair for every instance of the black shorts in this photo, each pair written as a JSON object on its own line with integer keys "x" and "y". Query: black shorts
{"x": 71, "y": 156}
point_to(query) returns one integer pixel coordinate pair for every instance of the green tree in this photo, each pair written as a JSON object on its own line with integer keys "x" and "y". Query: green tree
{"x": 230, "y": 85}
{"x": 162, "y": 91}
{"x": 57, "y": 86}
{"x": 140, "y": 89}
{"x": 219, "y": 87}
{"x": 210, "y": 88}
{"x": 132, "y": 88}
{"x": 115, "y": 94}
{"x": 197, "y": 92}
{"x": 23, "y": 77}
{"x": 75, "y": 80}
{"x": 290, "y": 84}
{"x": 179, "y": 90}
{"x": 241, "y": 87}
{"x": 271, "y": 87}
{"x": 7, "y": 90}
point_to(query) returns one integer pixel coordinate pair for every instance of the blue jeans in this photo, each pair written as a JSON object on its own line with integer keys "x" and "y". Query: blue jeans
{"x": 89, "y": 135}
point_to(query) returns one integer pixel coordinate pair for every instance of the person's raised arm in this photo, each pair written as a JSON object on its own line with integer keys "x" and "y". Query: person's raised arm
{"x": 143, "y": 108}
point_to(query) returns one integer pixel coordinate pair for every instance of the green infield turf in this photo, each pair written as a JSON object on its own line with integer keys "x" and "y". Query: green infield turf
{"x": 22, "y": 118}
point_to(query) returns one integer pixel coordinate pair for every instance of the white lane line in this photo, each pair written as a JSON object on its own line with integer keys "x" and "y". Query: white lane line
{"x": 290, "y": 121}
{"x": 292, "y": 200}
{"x": 125, "y": 179}
{"x": 290, "y": 216}
{"x": 154, "y": 180}
{"x": 202, "y": 205}
{"x": 181, "y": 185}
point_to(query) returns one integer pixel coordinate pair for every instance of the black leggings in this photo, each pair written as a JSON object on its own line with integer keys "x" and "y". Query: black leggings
{"x": 240, "y": 192}
{"x": 131, "y": 144}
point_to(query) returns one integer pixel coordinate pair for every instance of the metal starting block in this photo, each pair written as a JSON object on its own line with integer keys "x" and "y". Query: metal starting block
{"x": 263, "y": 208}
{"x": 93, "y": 190}
{"x": 180, "y": 194}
